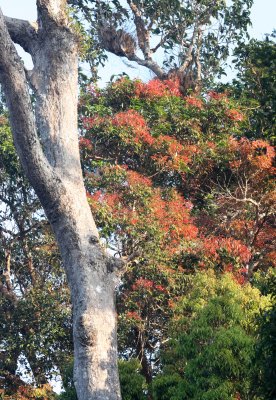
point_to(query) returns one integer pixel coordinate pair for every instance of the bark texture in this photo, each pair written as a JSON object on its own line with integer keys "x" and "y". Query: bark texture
{"x": 47, "y": 143}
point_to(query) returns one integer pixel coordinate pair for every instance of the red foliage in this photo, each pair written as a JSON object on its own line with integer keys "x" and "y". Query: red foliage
{"x": 241, "y": 276}
{"x": 169, "y": 216}
{"x": 270, "y": 258}
{"x": 234, "y": 248}
{"x": 146, "y": 284}
{"x": 133, "y": 120}
{"x": 218, "y": 251}
{"x": 171, "y": 154}
{"x": 156, "y": 88}
{"x": 217, "y": 96}
{"x": 241, "y": 228}
{"x": 85, "y": 143}
{"x": 266, "y": 237}
{"x": 263, "y": 154}
{"x": 258, "y": 154}
{"x": 160, "y": 288}
{"x": 134, "y": 179}
{"x": 194, "y": 102}
{"x": 90, "y": 122}
{"x": 111, "y": 199}
{"x": 133, "y": 315}
{"x": 191, "y": 161}
{"x": 234, "y": 115}
{"x": 174, "y": 219}
{"x": 142, "y": 283}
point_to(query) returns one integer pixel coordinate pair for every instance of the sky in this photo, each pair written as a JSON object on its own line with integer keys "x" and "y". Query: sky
{"x": 263, "y": 21}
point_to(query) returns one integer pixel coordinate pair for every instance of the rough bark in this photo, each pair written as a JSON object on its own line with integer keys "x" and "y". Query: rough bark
{"x": 47, "y": 144}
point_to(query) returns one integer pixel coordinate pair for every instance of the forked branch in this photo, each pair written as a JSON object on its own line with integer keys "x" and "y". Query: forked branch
{"x": 23, "y": 33}
{"x": 14, "y": 82}
{"x": 52, "y": 11}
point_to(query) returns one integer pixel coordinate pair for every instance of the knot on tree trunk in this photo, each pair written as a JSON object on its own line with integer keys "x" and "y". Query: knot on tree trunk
{"x": 85, "y": 331}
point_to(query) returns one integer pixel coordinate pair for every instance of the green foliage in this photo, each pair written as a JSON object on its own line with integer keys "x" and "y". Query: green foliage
{"x": 8, "y": 160}
{"x": 265, "y": 359}
{"x": 35, "y": 318}
{"x": 256, "y": 84}
{"x": 198, "y": 32}
{"x": 168, "y": 177}
{"x": 212, "y": 346}
{"x": 69, "y": 392}
{"x": 133, "y": 384}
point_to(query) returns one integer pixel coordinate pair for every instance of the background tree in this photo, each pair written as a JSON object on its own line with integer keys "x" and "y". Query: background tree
{"x": 35, "y": 307}
{"x": 163, "y": 175}
{"x": 192, "y": 37}
{"x": 255, "y": 84}
{"x": 210, "y": 354}
{"x": 264, "y": 378}
{"x": 173, "y": 177}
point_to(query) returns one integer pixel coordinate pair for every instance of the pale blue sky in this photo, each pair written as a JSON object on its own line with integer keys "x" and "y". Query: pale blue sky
{"x": 263, "y": 21}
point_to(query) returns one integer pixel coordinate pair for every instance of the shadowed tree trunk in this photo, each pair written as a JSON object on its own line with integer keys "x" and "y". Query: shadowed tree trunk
{"x": 47, "y": 143}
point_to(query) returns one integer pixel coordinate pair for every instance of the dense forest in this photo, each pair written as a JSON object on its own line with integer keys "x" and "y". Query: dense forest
{"x": 179, "y": 174}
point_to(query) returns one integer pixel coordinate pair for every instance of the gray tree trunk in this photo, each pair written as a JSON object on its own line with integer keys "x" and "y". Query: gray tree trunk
{"x": 47, "y": 144}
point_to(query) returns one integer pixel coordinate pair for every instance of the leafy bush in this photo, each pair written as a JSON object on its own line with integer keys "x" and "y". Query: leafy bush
{"x": 210, "y": 354}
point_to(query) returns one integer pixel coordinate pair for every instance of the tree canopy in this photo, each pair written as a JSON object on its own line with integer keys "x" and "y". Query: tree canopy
{"x": 189, "y": 39}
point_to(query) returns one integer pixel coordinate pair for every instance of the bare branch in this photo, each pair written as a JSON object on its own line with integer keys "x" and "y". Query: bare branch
{"x": 198, "y": 62}
{"x": 22, "y": 32}
{"x": 150, "y": 64}
{"x": 189, "y": 55}
{"x": 7, "y": 272}
{"x": 13, "y": 80}
{"x": 160, "y": 44}
{"x": 8, "y": 294}
{"x": 143, "y": 34}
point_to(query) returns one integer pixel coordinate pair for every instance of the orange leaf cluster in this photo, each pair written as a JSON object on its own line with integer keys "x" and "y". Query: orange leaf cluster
{"x": 234, "y": 115}
{"x": 134, "y": 179}
{"x": 174, "y": 219}
{"x": 217, "y": 96}
{"x": 210, "y": 248}
{"x": 171, "y": 154}
{"x": 132, "y": 119}
{"x": 133, "y": 315}
{"x": 90, "y": 122}
{"x": 258, "y": 154}
{"x": 157, "y": 88}
{"x": 194, "y": 102}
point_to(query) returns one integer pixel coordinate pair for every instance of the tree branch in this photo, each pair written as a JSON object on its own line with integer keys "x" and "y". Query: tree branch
{"x": 198, "y": 62}
{"x": 22, "y": 32}
{"x": 189, "y": 55}
{"x": 13, "y": 80}
{"x": 142, "y": 32}
{"x": 7, "y": 272}
{"x": 7, "y": 294}
{"x": 160, "y": 44}
{"x": 150, "y": 64}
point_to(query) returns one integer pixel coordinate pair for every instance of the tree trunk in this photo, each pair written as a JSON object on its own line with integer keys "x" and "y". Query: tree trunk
{"x": 47, "y": 145}
{"x": 92, "y": 280}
